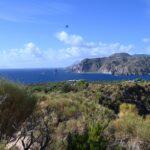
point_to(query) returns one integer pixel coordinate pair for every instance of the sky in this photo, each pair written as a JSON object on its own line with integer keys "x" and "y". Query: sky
{"x": 33, "y": 33}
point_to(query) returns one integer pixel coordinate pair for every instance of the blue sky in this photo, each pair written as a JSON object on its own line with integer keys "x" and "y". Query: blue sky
{"x": 33, "y": 33}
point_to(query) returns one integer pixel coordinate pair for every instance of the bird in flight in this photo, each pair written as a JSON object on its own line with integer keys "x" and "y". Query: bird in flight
{"x": 66, "y": 26}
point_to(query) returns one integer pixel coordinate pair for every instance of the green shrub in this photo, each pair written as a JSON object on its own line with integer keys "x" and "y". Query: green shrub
{"x": 81, "y": 84}
{"x": 66, "y": 87}
{"x": 78, "y": 142}
{"x": 16, "y": 105}
{"x": 96, "y": 139}
{"x": 92, "y": 139}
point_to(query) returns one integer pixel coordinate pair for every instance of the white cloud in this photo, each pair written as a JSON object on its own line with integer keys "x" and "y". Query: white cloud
{"x": 28, "y": 56}
{"x": 31, "y": 48}
{"x": 69, "y": 39}
{"x": 31, "y": 56}
{"x": 81, "y": 48}
{"x": 146, "y": 40}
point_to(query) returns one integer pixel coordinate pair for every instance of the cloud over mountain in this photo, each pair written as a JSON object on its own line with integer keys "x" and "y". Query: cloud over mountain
{"x": 31, "y": 56}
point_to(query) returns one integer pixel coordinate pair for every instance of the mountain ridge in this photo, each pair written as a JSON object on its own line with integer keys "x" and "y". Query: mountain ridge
{"x": 116, "y": 64}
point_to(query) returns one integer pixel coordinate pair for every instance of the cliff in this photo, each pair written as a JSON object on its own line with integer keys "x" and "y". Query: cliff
{"x": 116, "y": 64}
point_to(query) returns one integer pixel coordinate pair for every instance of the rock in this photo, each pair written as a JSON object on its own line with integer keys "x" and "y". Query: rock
{"x": 116, "y": 64}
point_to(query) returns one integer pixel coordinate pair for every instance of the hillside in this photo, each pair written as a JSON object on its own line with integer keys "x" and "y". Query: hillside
{"x": 116, "y": 64}
{"x": 75, "y": 115}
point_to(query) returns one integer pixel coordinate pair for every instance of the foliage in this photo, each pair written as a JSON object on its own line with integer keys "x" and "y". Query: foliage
{"x": 114, "y": 94}
{"x": 77, "y": 115}
{"x": 130, "y": 128}
{"x": 64, "y": 87}
{"x": 16, "y": 105}
{"x": 93, "y": 139}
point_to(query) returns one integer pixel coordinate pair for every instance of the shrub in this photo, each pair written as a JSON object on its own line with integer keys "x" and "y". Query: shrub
{"x": 66, "y": 87}
{"x": 130, "y": 128}
{"x": 77, "y": 142}
{"x": 126, "y": 109}
{"x": 96, "y": 139}
{"x": 93, "y": 139}
{"x": 16, "y": 104}
{"x": 81, "y": 84}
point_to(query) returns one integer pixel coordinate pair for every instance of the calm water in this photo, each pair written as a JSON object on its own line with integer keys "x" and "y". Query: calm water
{"x": 47, "y": 75}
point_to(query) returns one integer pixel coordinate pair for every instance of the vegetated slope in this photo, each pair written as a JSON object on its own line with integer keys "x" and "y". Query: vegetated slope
{"x": 138, "y": 93}
{"x": 117, "y": 64}
{"x": 78, "y": 115}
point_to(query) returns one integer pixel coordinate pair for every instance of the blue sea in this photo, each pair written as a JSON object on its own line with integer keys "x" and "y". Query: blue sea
{"x": 30, "y": 76}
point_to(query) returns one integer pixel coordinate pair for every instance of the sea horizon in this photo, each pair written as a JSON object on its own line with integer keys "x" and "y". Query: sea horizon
{"x": 44, "y": 75}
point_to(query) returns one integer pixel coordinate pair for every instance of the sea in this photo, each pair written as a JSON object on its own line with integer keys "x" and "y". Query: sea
{"x": 34, "y": 76}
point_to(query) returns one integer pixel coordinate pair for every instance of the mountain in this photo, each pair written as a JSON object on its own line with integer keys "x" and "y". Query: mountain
{"x": 116, "y": 64}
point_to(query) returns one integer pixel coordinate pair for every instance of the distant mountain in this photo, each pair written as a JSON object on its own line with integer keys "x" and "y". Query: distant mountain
{"x": 116, "y": 64}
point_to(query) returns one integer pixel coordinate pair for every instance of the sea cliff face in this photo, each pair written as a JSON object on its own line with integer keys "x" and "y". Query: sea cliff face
{"x": 116, "y": 64}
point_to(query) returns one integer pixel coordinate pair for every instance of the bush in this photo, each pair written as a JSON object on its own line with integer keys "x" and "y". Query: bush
{"x": 93, "y": 139}
{"x": 78, "y": 142}
{"x": 126, "y": 109}
{"x": 16, "y": 104}
{"x": 81, "y": 84}
{"x": 67, "y": 87}
{"x": 130, "y": 128}
{"x": 138, "y": 93}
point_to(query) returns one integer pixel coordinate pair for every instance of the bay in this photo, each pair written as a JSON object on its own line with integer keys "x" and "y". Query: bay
{"x": 30, "y": 76}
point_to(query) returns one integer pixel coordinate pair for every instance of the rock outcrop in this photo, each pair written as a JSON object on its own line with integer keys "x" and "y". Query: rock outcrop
{"x": 116, "y": 64}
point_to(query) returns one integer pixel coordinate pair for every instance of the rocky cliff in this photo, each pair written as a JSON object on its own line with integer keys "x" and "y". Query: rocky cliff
{"x": 116, "y": 64}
